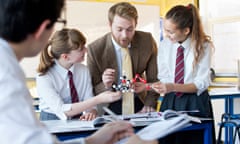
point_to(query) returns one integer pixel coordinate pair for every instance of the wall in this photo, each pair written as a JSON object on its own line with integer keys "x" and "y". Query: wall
{"x": 221, "y": 20}
{"x": 167, "y": 4}
{"x": 222, "y": 23}
{"x": 164, "y": 5}
{"x": 91, "y": 19}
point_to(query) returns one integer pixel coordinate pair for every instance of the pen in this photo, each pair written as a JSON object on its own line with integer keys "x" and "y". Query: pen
{"x": 137, "y": 117}
{"x": 112, "y": 114}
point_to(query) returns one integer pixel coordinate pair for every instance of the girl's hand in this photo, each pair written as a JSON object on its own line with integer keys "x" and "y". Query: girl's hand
{"x": 109, "y": 96}
{"x": 162, "y": 88}
{"x": 89, "y": 115}
{"x": 159, "y": 88}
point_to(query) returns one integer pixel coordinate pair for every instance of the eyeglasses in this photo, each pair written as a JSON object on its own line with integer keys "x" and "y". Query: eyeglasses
{"x": 63, "y": 21}
{"x": 60, "y": 24}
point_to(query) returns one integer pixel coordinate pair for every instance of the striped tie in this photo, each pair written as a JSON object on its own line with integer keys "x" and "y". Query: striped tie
{"x": 74, "y": 94}
{"x": 179, "y": 69}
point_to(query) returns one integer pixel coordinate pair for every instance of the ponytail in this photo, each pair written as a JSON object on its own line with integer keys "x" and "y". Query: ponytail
{"x": 188, "y": 17}
{"x": 199, "y": 38}
{"x": 46, "y": 60}
{"x": 62, "y": 42}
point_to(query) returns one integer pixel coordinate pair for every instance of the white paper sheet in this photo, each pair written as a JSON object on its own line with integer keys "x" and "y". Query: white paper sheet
{"x": 162, "y": 128}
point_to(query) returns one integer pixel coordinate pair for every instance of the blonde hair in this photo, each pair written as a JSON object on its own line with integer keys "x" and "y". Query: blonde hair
{"x": 63, "y": 41}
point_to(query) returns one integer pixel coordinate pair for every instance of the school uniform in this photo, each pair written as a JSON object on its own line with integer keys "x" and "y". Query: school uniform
{"x": 188, "y": 101}
{"x": 19, "y": 124}
{"x": 54, "y": 91}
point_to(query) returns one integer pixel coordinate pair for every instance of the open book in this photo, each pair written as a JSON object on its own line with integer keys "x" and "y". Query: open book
{"x": 168, "y": 114}
{"x": 158, "y": 116}
{"x": 55, "y": 126}
{"x": 143, "y": 117}
{"x": 168, "y": 122}
{"x": 162, "y": 128}
{"x": 99, "y": 121}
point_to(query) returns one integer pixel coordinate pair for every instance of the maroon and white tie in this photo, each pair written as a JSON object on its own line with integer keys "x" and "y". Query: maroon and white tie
{"x": 179, "y": 69}
{"x": 73, "y": 90}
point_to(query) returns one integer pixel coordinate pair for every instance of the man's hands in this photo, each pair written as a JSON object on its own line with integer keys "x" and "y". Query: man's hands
{"x": 108, "y": 77}
{"x": 159, "y": 87}
{"x": 147, "y": 109}
{"x": 139, "y": 87}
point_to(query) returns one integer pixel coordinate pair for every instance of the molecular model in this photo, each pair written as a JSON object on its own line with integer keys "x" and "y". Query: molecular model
{"x": 138, "y": 78}
{"x": 126, "y": 84}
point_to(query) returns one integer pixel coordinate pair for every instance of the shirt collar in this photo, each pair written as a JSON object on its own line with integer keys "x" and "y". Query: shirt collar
{"x": 4, "y": 44}
{"x": 63, "y": 71}
{"x": 185, "y": 44}
{"x": 116, "y": 45}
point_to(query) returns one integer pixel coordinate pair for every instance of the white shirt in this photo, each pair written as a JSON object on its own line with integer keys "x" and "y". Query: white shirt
{"x": 18, "y": 123}
{"x": 167, "y": 60}
{"x": 54, "y": 91}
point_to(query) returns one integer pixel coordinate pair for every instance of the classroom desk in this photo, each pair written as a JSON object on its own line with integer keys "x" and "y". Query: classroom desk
{"x": 206, "y": 127}
{"x": 67, "y": 134}
{"x": 228, "y": 94}
{"x": 69, "y": 129}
